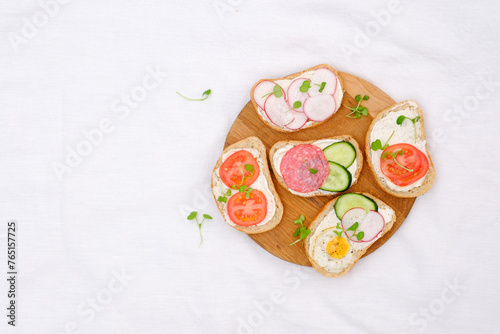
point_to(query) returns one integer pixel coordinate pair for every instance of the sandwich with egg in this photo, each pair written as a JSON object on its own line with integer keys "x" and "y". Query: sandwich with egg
{"x": 344, "y": 230}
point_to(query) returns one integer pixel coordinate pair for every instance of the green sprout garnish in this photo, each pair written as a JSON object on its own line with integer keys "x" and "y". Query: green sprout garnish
{"x": 204, "y": 96}
{"x": 321, "y": 87}
{"x": 277, "y": 91}
{"x": 194, "y": 215}
{"x": 402, "y": 118}
{"x": 354, "y": 227}
{"x": 224, "y": 197}
{"x": 302, "y": 232}
{"x": 311, "y": 170}
{"x": 393, "y": 155}
{"x": 305, "y": 86}
{"x": 377, "y": 144}
{"x": 359, "y": 109}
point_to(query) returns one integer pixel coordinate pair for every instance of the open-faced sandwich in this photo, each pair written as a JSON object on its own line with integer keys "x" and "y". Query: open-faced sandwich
{"x": 321, "y": 167}
{"x": 344, "y": 230}
{"x": 300, "y": 100}
{"x": 243, "y": 190}
{"x": 397, "y": 153}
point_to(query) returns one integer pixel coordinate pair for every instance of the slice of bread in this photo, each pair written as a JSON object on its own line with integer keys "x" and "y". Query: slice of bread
{"x": 357, "y": 254}
{"x": 319, "y": 192}
{"x": 429, "y": 178}
{"x": 291, "y": 77}
{"x": 256, "y": 144}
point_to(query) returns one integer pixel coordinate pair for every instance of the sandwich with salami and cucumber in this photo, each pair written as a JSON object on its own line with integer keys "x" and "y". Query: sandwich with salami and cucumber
{"x": 322, "y": 167}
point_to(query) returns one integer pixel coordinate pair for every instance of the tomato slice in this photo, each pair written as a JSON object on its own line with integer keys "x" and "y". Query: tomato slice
{"x": 247, "y": 211}
{"x": 412, "y": 158}
{"x": 233, "y": 171}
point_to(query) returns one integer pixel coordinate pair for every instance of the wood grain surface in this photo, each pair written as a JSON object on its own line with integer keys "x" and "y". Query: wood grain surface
{"x": 248, "y": 123}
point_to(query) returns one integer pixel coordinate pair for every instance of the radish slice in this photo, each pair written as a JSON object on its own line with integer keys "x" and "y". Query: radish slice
{"x": 300, "y": 119}
{"x": 278, "y": 111}
{"x": 261, "y": 91}
{"x": 320, "y": 107}
{"x": 294, "y": 94}
{"x": 372, "y": 224}
{"x": 323, "y": 75}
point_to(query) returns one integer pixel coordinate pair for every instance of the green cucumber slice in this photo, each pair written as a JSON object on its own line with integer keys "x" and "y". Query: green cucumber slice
{"x": 338, "y": 180}
{"x": 352, "y": 200}
{"x": 341, "y": 152}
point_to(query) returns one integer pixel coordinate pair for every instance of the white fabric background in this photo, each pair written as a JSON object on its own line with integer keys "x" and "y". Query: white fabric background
{"x": 123, "y": 208}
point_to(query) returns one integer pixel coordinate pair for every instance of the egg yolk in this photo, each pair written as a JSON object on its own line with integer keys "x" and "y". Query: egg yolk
{"x": 337, "y": 248}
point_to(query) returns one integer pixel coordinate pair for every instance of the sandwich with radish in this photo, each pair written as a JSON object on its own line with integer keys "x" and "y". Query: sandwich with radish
{"x": 243, "y": 189}
{"x": 298, "y": 101}
{"x": 344, "y": 230}
{"x": 322, "y": 167}
{"x": 396, "y": 150}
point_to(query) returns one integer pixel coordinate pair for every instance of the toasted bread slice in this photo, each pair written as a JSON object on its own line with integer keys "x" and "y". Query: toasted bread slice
{"x": 330, "y": 206}
{"x": 319, "y": 192}
{"x": 384, "y": 182}
{"x": 310, "y": 123}
{"x": 256, "y": 144}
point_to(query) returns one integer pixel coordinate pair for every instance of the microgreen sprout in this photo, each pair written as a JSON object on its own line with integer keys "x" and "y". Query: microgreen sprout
{"x": 224, "y": 197}
{"x": 402, "y": 118}
{"x": 194, "y": 215}
{"x": 377, "y": 144}
{"x": 241, "y": 187}
{"x": 297, "y": 104}
{"x": 302, "y": 232}
{"x": 248, "y": 168}
{"x": 305, "y": 86}
{"x": 394, "y": 155}
{"x": 245, "y": 189}
{"x": 276, "y": 91}
{"x": 321, "y": 87}
{"x": 204, "y": 96}
{"x": 311, "y": 170}
{"x": 354, "y": 227}
{"x": 359, "y": 109}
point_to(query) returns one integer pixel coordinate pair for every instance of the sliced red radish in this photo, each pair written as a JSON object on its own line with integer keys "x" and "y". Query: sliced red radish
{"x": 294, "y": 94}
{"x": 300, "y": 119}
{"x": 320, "y": 107}
{"x": 323, "y": 75}
{"x": 261, "y": 92}
{"x": 371, "y": 224}
{"x": 278, "y": 111}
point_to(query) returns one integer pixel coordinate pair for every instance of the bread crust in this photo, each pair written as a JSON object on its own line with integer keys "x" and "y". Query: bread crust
{"x": 293, "y": 76}
{"x": 255, "y": 143}
{"x": 319, "y": 218}
{"x": 280, "y": 144}
{"x": 431, "y": 173}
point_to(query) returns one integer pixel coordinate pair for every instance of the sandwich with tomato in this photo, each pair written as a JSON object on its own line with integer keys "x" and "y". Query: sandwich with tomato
{"x": 396, "y": 151}
{"x": 243, "y": 189}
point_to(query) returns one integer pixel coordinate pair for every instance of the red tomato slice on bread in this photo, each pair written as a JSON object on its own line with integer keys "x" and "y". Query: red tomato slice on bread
{"x": 247, "y": 211}
{"x": 412, "y": 159}
{"x": 234, "y": 170}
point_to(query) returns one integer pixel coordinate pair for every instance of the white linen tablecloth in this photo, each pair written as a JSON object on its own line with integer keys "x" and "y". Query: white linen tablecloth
{"x": 101, "y": 161}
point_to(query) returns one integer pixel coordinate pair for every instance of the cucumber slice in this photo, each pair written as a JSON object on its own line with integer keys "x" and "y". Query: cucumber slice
{"x": 352, "y": 200}
{"x": 338, "y": 180}
{"x": 342, "y": 153}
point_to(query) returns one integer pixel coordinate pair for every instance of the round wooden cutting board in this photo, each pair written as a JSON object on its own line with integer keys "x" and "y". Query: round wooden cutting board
{"x": 248, "y": 123}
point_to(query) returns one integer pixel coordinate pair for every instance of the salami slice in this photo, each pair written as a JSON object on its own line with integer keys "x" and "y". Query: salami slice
{"x": 297, "y": 164}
